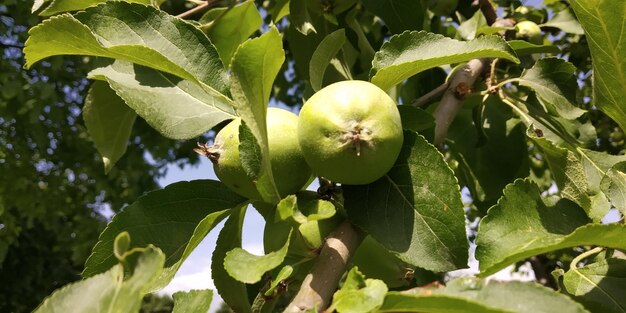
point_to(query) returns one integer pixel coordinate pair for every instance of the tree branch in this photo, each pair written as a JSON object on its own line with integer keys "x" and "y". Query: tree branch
{"x": 488, "y": 11}
{"x": 199, "y": 8}
{"x": 319, "y": 285}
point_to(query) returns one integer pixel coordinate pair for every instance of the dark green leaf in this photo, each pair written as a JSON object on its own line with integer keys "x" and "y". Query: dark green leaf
{"x": 504, "y": 237}
{"x": 415, "y": 119}
{"x": 300, "y": 17}
{"x": 176, "y": 219}
{"x": 60, "y": 6}
{"x": 249, "y": 152}
{"x": 109, "y": 122}
{"x": 415, "y": 210}
{"x": 409, "y": 53}
{"x": 192, "y": 301}
{"x": 603, "y": 23}
{"x": 253, "y": 69}
{"x": 398, "y": 15}
{"x": 523, "y": 47}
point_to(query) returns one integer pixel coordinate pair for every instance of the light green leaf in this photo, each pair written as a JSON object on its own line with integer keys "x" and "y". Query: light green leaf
{"x": 253, "y": 69}
{"x": 177, "y": 108}
{"x": 522, "y": 225}
{"x": 133, "y": 33}
{"x": 599, "y": 286}
{"x": 249, "y": 268}
{"x": 554, "y": 81}
{"x": 409, "y": 53}
{"x": 468, "y": 29}
{"x": 176, "y": 219}
{"x": 523, "y": 47}
{"x": 109, "y": 122}
{"x": 60, "y": 6}
{"x": 415, "y": 210}
{"x": 359, "y": 294}
{"x": 324, "y": 53}
{"x": 604, "y": 24}
{"x": 110, "y": 292}
{"x": 309, "y": 207}
{"x": 565, "y": 21}
{"x": 231, "y": 27}
{"x": 280, "y": 10}
{"x": 282, "y": 275}
{"x": 614, "y": 186}
{"x": 300, "y": 17}
{"x": 471, "y": 295}
{"x": 233, "y": 292}
{"x": 398, "y": 15}
{"x": 192, "y": 301}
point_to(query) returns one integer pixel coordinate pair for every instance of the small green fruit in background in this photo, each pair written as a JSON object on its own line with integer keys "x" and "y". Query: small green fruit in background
{"x": 289, "y": 168}
{"x": 350, "y": 132}
{"x": 442, "y": 7}
{"x": 529, "y": 31}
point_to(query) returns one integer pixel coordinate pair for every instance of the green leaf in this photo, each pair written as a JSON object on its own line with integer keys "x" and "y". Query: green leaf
{"x": 176, "y": 219}
{"x": 110, "y": 292}
{"x": 614, "y": 186}
{"x": 300, "y": 17}
{"x": 253, "y": 69}
{"x": 151, "y": 38}
{"x": 504, "y": 237}
{"x": 554, "y": 81}
{"x": 249, "y": 268}
{"x": 60, "y": 6}
{"x": 231, "y": 26}
{"x": 603, "y": 23}
{"x": 151, "y": 93}
{"x": 398, "y": 15}
{"x": 471, "y": 295}
{"x": 599, "y": 286}
{"x": 565, "y": 21}
{"x": 523, "y": 47}
{"x": 233, "y": 292}
{"x": 249, "y": 152}
{"x": 323, "y": 55}
{"x": 192, "y": 301}
{"x": 109, "y": 122}
{"x": 282, "y": 276}
{"x": 409, "y": 53}
{"x": 468, "y": 29}
{"x": 415, "y": 210}
{"x": 359, "y": 294}
{"x": 415, "y": 119}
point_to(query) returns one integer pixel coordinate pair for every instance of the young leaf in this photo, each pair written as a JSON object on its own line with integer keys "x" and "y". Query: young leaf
{"x": 409, "y": 53}
{"x": 176, "y": 219}
{"x": 603, "y": 23}
{"x": 599, "y": 286}
{"x": 192, "y": 301}
{"x": 109, "y": 122}
{"x": 152, "y": 38}
{"x": 359, "y": 294}
{"x": 565, "y": 21}
{"x": 249, "y": 268}
{"x": 230, "y": 27}
{"x": 398, "y": 15}
{"x": 233, "y": 292}
{"x": 415, "y": 210}
{"x": 110, "y": 291}
{"x": 522, "y": 225}
{"x": 554, "y": 81}
{"x": 614, "y": 186}
{"x": 253, "y": 69}
{"x": 471, "y": 295}
{"x": 177, "y": 108}
{"x": 324, "y": 53}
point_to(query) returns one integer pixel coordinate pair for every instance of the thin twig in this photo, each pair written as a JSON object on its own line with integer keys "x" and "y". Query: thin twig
{"x": 430, "y": 95}
{"x": 320, "y": 284}
{"x": 199, "y": 8}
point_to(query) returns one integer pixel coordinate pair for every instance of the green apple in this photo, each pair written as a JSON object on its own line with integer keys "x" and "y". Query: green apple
{"x": 350, "y": 132}
{"x": 289, "y": 168}
{"x": 529, "y": 31}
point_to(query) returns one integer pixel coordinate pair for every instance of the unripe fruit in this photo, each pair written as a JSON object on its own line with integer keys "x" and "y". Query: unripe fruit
{"x": 529, "y": 31}
{"x": 288, "y": 165}
{"x": 442, "y": 7}
{"x": 350, "y": 132}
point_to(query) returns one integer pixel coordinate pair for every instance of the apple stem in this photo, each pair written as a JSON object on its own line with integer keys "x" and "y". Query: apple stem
{"x": 211, "y": 152}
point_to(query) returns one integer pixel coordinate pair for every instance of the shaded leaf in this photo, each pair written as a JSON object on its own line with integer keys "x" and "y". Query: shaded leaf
{"x": 614, "y": 186}
{"x": 233, "y": 292}
{"x": 253, "y": 69}
{"x": 192, "y": 301}
{"x": 233, "y": 27}
{"x": 523, "y": 47}
{"x": 415, "y": 119}
{"x": 109, "y": 122}
{"x": 176, "y": 219}
{"x": 249, "y": 152}
{"x": 324, "y": 53}
{"x": 409, "y": 53}
{"x": 604, "y": 26}
{"x": 175, "y": 107}
{"x": 359, "y": 294}
{"x": 565, "y": 21}
{"x": 300, "y": 17}
{"x": 415, "y": 210}
{"x": 398, "y": 15}
{"x": 522, "y": 225}
{"x": 471, "y": 295}
{"x": 60, "y": 6}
